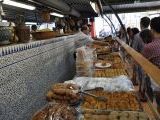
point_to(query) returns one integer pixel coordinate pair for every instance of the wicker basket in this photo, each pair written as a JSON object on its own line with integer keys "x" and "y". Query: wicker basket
{"x": 44, "y": 35}
{"x": 45, "y": 16}
{"x": 23, "y": 33}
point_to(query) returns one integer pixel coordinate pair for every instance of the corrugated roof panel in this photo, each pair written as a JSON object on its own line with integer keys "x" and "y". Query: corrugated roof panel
{"x": 136, "y": 6}
{"x": 83, "y": 6}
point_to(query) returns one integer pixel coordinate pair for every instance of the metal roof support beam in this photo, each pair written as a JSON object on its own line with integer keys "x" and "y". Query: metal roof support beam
{"x": 108, "y": 24}
{"x": 115, "y": 13}
{"x": 100, "y": 7}
{"x": 60, "y": 5}
{"x": 111, "y": 22}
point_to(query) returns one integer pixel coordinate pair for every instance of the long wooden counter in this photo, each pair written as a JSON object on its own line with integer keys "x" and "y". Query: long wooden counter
{"x": 152, "y": 70}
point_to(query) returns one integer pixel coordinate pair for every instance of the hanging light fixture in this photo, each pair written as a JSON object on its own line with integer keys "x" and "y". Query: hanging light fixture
{"x": 93, "y": 5}
{"x": 56, "y": 14}
{"x": 18, "y": 4}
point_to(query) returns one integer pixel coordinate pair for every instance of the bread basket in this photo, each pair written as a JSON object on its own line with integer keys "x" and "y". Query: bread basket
{"x": 44, "y": 35}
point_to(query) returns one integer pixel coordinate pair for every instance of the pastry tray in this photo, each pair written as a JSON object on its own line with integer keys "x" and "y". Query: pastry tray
{"x": 117, "y": 115}
{"x": 104, "y": 72}
{"x": 43, "y": 113}
{"x": 90, "y": 110}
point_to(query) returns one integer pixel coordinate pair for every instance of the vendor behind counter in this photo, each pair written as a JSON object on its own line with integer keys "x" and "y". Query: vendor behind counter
{"x": 86, "y": 30}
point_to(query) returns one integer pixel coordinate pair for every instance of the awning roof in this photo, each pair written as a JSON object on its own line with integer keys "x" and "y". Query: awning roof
{"x": 83, "y": 7}
{"x": 123, "y": 6}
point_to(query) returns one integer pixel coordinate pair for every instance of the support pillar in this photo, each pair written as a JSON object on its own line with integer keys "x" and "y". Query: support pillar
{"x": 93, "y": 32}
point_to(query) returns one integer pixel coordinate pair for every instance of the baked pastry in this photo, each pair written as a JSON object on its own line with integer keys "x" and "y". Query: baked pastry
{"x": 56, "y": 112}
{"x": 109, "y": 72}
{"x": 115, "y": 101}
{"x": 116, "y": 115}
{"x": 41, "y": 115}
{"x": 62, "y": 92}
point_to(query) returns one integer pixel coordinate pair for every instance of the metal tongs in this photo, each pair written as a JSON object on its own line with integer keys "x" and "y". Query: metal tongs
{"x": 100, "y": 98}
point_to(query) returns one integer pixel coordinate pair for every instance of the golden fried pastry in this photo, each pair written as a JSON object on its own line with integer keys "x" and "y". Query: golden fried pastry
{"x": 64, "y": 92}
{"x": 109, "y": 72}
{"x": 115, "y": 101}
{"x": 57, "y": 111}
{"x": 116, "y": 115}
{"x": 49, "y": 96}
{"x": 42, "y": 115}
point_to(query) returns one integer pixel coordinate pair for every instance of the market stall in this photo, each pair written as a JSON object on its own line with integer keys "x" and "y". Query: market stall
{"x": 54, "y": 68}
{"x": 101, "y": 89}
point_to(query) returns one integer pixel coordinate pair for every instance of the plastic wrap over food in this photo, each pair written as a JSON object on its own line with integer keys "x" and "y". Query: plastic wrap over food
{"x": 81, "y": 54}
{"x": 84, "y": 69}
{"x": 84, "y": 54}
{"x": 84, "y": 61}
{"x": 81, "y": 81}
{"x": 121, "y": 83}
{"x": 87, "y": 40}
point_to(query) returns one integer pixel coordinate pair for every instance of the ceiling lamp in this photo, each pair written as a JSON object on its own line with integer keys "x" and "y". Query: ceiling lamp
{"x": 94, "y": 7}
{"x": 56, "y": 14}
{"x": 17, "y": 4}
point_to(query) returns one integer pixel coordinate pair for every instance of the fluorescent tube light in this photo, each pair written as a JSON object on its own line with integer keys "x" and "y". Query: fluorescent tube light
{"x": 17, "y": 4}
{"x": 93, "y": 5}
{"x": 57, "y": 14}
{"x": 4, "y": 21}
{"x": 31, "y": 23}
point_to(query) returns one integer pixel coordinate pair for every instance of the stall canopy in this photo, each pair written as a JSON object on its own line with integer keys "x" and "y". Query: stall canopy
{"x": 123, "y": 6}
{"x": 78, "y": 8}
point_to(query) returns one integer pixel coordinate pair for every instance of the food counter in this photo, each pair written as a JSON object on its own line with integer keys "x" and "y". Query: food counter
{"x": 27, "y": 71}
{"x": 99, "y": 90}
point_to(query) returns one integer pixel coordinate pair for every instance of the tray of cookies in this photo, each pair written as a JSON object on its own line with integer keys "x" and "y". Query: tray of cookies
{"x": 116, "y": 101}
{"x": 115, "y": 115}
{"x": 115, "y": 58}
{"x": 109, "y": 72}
{"x": 103, "y": 50}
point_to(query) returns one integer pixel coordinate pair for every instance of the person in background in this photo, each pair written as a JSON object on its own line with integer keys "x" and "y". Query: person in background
{"x": 90, "y": 27}
{"x": 152, "y": 53}
{"x": 138, "y": 42}
{"x": 146, "y": 36}
{"x": 152, "y": 50}
{"x": 122, "y": 35}
{"x": 85, "y": 29}
{"x": 34, "y": 28}
{"x": 138, "y": 45}
{"x": 129, "y": 32}
{"x": 134, "y": 32}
